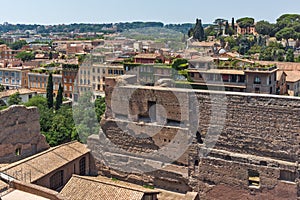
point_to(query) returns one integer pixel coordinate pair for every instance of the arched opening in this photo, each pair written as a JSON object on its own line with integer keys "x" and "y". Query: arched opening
{"x": 196, "y": 163}
{"x": 199, "y": 138}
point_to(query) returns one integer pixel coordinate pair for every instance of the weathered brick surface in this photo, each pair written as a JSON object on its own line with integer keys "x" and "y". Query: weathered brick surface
{"x": 258, "y": 132}
{"x": 20, "y": 128}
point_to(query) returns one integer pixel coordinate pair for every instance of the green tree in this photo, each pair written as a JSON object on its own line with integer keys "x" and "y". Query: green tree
{"x": 58, "y": 127}
{"x": 220, "y": 23}
{"x": 180, "y": 64}
{"x": 18, "y": 44}
{"x": 198, "y": 33}
{"x": 264, "y": 27}
{"x": 287, "y": 20}
{"x": 100, "y": 107}
{"x": 255, "y": 49}
{"x": 50, "y": 55}
{"x": 62, "y": 129}
{"x": 210, "y": 31}
{"x": 2, "y": 41}
{"x": 25, "y": 56}
{"x": 227, "y": 27}
{"x": 59, "y": 98}
{"x": 231, "y": 41}
{"x": 233, "y": 25}
{"x": 14, "y": 99}
{"x": 46, "y": 114}
{"x": 286, "y": 33}
{"x": 273, "y": 52}
{"x": 290, "y": 56}
{"x": 49, "y": 94}
{"x": 244, "y": 45}
{"x": 2, "y": 88}
{"x": 85, "y": 117}
{"x": 245, "y": 22}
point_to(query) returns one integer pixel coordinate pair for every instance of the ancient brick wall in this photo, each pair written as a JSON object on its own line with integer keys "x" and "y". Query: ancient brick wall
{"x": 20, "y": 135}
{"x": 260, "y": 134}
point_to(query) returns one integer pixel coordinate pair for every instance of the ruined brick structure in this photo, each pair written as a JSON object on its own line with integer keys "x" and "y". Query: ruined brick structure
{"x": 20, "y": 135}
{"x": 255, "y": 157}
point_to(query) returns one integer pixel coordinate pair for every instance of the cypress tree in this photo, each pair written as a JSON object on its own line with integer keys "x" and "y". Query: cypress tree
{"x": 59, "y": 98}
{"x": 232, "y": 25}
{"x": 198, "y": 33}
{"x": 49, "y": 94}
{"x": 227, "y": 28}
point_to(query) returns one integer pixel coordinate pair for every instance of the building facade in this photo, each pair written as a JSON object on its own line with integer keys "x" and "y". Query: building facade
{"x": 243, "y": 77}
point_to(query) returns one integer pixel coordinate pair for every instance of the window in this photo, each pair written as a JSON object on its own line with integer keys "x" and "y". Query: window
{"x": 270, "y": 80}
{"x": 233, "y": 78}
{"x": 271, "y": 90}
{"x": 257, "y": 90}
{"x": 253, "y": 178}
{"x": 18, "y": 151}
{"x": 149, "y": 197}
{"x": 257, "y": 80}
{"x": 56, "y": 180}
{"x": 82, "y": 166}
{"x": 287, "y": 176}
{"x": 152, "y": 110}
{"x": 225, "y": 78}
{"x": 199, "y": 138}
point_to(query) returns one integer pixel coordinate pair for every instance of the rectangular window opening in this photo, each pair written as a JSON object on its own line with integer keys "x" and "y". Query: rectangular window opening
{"x": 253, "y": 178}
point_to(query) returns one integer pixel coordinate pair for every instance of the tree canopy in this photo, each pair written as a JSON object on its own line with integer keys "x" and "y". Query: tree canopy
{"x": 59, "y": 98}
{"x": 264, "y": 27}
{"x": 14, "y": 99}
{"x": 245, "y": 22}
{"x": 25, "y": 56}
{"x": 198, "y": 31}
{"x": 286, "y": 33}
{"x": 18, "y": 44}
{"x": 49, "y": 94}
{"x": 2, "y": 88}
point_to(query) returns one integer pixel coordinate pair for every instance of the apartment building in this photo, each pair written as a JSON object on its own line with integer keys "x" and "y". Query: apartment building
{"x": 14, "y": 77}
{"x": 69, "y": 74}
{"x": 236, "y": 75}
{"x": 91, "y": 77}
{"x": 38, "y": 81}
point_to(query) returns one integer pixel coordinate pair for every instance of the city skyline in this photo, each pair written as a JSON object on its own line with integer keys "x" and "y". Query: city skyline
{"x": 93, "y": 11}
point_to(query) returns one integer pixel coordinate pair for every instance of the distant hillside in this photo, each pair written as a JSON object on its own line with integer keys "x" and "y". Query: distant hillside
{"x": 83, "y": 27}
{"x": 173, "y": 39}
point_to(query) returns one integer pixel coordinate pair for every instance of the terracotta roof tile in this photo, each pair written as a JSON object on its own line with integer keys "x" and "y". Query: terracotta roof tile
{"x": 285, "y": 66}
{"x": 11, "y": 92}
{"x": 146, "y": 56}
{"x": 37, "y": 166}
{"x": 292, "y": 76}
{"x": 80, "y": 188}
{"x": 3, "y": 186}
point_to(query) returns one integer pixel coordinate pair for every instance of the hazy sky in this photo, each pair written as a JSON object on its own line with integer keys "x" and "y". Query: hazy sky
{"x": 167, "y": 11}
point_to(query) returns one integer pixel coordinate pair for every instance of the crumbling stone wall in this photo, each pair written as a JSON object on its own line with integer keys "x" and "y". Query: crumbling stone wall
{"x": 260, "y": 133}
{"x": 20, "y": 135}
